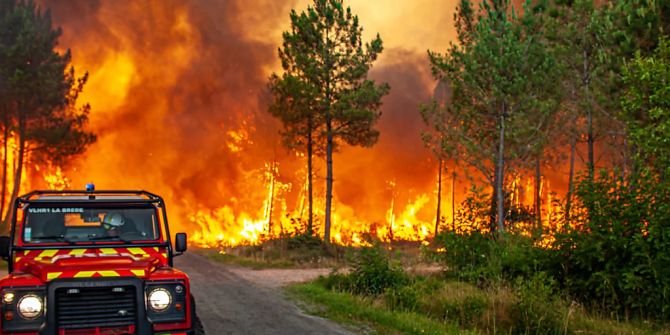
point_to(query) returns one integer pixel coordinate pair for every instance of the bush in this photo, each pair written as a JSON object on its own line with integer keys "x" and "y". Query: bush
{"x": 617, "y": 257}
{"x": 537, "y": 310}
{"x": 403, "y": 298}
{"x": 480, "y": 259}
{"x": 472, "y": 256}
{"x": 335, "y": 282}
{"x": 456, "y": 301}
{"x": 372, "y": 272}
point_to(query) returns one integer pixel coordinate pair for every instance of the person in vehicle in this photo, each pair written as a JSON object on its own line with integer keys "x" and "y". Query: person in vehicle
{"x": 114, "y": 223}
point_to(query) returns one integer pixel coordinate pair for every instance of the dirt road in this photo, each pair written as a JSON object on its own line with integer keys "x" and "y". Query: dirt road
{"x": 227, "y": 303}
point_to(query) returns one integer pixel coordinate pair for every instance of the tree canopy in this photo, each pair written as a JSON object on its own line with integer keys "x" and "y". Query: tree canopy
{"x": 325, "y": 95}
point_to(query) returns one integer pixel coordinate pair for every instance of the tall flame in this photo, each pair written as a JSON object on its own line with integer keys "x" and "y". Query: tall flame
{"x": 179, "y": 98}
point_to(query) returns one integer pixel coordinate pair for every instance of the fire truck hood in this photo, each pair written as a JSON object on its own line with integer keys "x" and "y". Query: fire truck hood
{"x": 91, "y": 266}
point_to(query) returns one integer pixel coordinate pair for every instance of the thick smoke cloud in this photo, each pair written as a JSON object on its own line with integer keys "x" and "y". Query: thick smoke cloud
{"x": 179, "y": 97}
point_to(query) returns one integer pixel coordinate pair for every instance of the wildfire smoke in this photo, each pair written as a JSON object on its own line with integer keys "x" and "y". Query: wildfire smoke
{"x": 178, "y": 95}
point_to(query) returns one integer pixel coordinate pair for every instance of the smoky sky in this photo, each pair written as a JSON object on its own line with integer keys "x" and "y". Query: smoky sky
{"x": 199, "y": 72}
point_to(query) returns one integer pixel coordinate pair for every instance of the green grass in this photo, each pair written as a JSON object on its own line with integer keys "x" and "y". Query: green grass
{"x": 440, "y": 306}
{"x": 368, "y": 313}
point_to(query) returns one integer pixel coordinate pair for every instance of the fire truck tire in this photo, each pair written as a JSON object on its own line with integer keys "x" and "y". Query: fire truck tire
{"x": 198, "y": 328}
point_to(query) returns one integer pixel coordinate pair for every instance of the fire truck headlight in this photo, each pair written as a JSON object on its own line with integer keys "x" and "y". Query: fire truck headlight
{"x": 30, "y": 306}
{"x": 8, "y": 298}
{"x": 159, "y": 299}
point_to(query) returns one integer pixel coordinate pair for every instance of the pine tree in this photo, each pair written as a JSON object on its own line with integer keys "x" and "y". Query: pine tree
{"x": 501, "y": 102}
{"x": 40, "y": 90}
{"x": 324, "y": 94}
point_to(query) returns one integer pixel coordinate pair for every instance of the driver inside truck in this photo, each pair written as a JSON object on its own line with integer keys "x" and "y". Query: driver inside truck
{"x": 113, "y": 223}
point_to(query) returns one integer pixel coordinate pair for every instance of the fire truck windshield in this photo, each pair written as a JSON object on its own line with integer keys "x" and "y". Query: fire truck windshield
{"x": 78, "y": 224}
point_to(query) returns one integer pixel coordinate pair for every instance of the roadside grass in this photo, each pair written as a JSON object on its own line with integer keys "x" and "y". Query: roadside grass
{"x": 435, "y": 305}
{"x": 362, "y": 312}
{"x": 299, "y": 251}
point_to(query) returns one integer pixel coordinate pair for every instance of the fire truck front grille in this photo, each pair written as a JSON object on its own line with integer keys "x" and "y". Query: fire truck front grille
{"x": 90, "y": 307}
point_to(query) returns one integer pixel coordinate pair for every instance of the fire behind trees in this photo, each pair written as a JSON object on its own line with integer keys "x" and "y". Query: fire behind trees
{"x": 324, "y": 94}
{"x": 38, "y": 92}
{"x": 179, "y": 96}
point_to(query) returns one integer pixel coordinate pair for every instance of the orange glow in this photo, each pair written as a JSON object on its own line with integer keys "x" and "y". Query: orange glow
{"x": 179, "y": 103}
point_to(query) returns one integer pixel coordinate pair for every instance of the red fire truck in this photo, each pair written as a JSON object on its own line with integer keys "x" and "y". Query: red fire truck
{"x": 94, "y": 262}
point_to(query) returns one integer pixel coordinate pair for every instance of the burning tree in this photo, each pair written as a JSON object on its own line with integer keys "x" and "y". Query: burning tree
{"x": 500, "y": 107}
{"x": 38, "y": 92}
{"x": 324, "y": 92}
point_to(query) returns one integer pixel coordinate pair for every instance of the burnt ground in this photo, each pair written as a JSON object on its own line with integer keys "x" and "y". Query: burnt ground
{"x": 235, "y": 300}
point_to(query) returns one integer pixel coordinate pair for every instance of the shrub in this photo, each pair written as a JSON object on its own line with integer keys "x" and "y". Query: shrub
{"x": 537, "y": 310}
{"x": 470, "y": 256}
{"x": 372, "y": 272}
{"x": 335, "y": 282}
{"x": 455, "y": 301}
{"x": 405, "y": 298}
{"x": 618, "y": 256}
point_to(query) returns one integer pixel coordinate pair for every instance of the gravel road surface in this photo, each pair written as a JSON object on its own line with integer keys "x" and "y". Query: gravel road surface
{"x": 234, "y": 300}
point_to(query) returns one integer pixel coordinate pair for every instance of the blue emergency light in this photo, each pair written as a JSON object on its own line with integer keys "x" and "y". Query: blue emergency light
{"x": 90, "y": 187}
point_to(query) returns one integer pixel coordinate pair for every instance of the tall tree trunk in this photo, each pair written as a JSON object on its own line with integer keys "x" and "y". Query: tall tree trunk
{"x": 586, "y": 81}
{"x": 329, "y": 176}
{"x": 493, "y": 223}
{"x": 439, "y": 196}
{"x": 18, "y": 174}
{"x": 272, "y": 198}
{"x": 571, "y": 178}
{"x": 5, "y": 138}
{"x": 310, "y": 220}
{"x": 500, "y": 176}
{"x": 453, "y": 201}
{"x": 538, "y": 198}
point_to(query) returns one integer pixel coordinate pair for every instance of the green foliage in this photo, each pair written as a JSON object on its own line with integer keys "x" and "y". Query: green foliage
{"x": 635, "y": 26}
{"x": 38, "y": 92}
{"x": 373, "y": 272}
{"x": 367, "y": 314}
{"x": 502, "y": 76}
{"x": 537, "y": 309}
{"x": 324, "y": 97}
{"x": 646, "y": 106}
{"x": 474, "y": 212}
{"x": 458, "y": 302}
{"x": 470, "y": 256}
{"x": 481, "y": 259}
{"x": 403, "y": 298}
{"x": 619, "y": 258}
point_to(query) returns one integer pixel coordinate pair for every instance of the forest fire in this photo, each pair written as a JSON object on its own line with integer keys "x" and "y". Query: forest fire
{"x": 179, "y": 107}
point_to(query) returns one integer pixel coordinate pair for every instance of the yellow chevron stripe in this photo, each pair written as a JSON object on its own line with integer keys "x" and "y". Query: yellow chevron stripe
{"x": 137, "y": 251}
{"x": 53, "y": 275}
{"x": 47, "y": 253}
{"x": 84, "y": 274}
{"x": 17, "y": 259}
{"x": 139, "y": 273}
{"x": 108, "y": 273}
{"x": 108, "y": 251}
{"x": 156, "y": 248}
{"x": 77, "y": 252}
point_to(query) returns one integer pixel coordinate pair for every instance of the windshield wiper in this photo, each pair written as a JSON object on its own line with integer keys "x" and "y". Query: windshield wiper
{"x": 108, "y": 238}
{"x": 58, "y": 238}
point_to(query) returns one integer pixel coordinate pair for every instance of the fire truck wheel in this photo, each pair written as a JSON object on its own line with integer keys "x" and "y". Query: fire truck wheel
{"x": 198, "y": 328}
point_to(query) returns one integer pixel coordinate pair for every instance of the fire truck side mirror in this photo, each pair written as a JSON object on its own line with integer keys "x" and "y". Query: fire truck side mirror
{"x": 180, "y": 243}
{"x": 4, "y": 246}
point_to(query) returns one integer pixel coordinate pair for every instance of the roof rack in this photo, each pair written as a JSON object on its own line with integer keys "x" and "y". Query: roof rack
{"x": 92, "y": 195}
